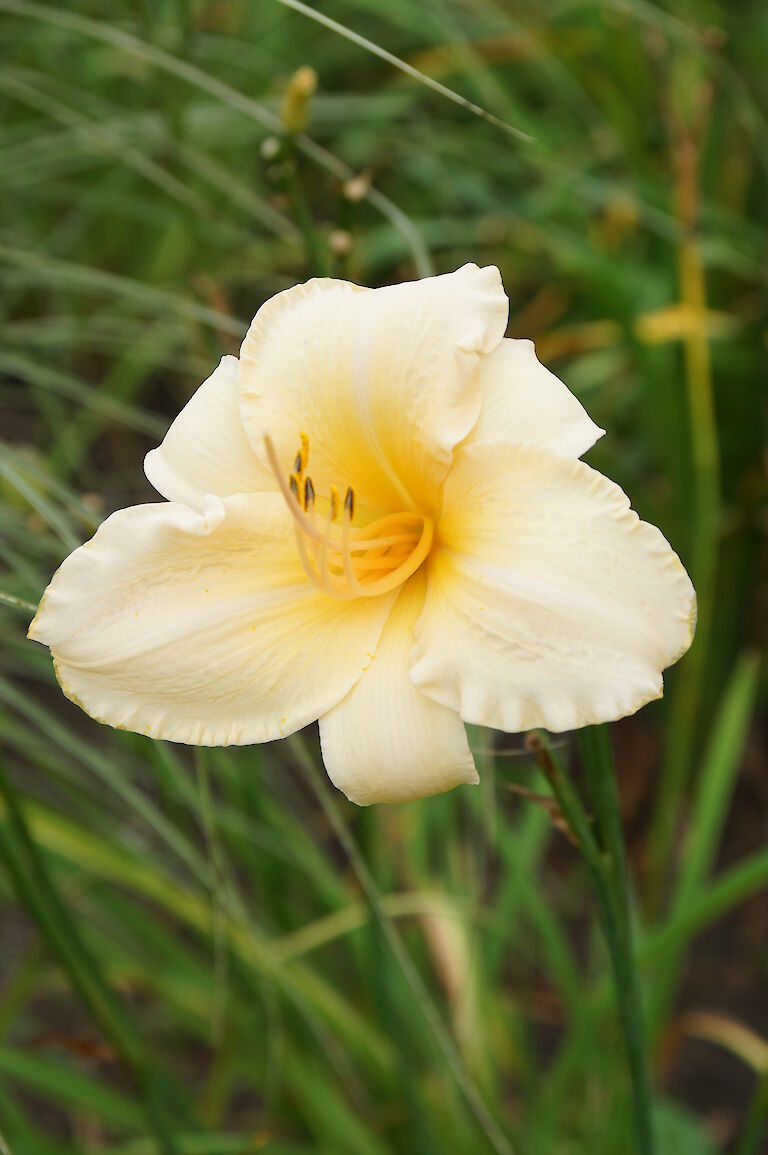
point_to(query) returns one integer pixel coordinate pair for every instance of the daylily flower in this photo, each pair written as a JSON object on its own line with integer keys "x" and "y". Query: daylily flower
{"x": 376, "y": 517}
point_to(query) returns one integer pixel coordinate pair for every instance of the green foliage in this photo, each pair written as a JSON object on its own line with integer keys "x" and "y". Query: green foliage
{"x": 212, "y": 954}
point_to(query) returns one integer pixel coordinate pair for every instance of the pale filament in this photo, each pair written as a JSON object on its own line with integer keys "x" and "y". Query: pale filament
{"x": 346, "y": 562}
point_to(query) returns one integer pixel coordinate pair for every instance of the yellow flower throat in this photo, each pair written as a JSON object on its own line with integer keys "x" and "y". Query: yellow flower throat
{"x": 342, "y": 561}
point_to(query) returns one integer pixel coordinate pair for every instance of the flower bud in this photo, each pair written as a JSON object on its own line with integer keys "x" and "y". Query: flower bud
{"x": 301, "y": 89}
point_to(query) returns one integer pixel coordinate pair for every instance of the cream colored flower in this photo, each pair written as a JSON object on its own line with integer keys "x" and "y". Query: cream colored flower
{"x": 376, "y": 517}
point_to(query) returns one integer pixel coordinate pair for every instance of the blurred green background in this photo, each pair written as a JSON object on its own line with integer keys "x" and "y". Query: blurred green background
{"x": 210, "y": 952}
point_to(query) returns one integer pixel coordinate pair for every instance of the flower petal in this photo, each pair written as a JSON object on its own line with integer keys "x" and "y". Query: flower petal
{"x": 549, "y": 602}
{"x": 386, "y": 741}
{"x": 202, "y": 628}
{"x": 523, "y": 401}
{"x": 382, "y": 380}
{"x": 206, "y": 449}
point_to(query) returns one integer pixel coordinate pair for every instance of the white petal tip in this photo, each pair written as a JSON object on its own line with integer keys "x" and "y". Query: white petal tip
{"x": 389, "y": 797}
{"x": 34, "y": 629}
{"x": 151, "y": 462}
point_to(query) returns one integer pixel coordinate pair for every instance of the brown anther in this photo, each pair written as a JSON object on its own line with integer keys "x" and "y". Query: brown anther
{"x": 350, "y": 563}
{"x": 349, "y": 502}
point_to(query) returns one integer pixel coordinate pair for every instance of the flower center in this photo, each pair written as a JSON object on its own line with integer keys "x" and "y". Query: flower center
{"x": 342, "y": 561}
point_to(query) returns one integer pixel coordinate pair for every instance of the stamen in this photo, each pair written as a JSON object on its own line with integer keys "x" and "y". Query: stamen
{"x": 349, "y": 502}
{"x": 326, "y": 576}
{"x": 309, "y": 568}
{"x": 291, "y": 500}
{"x": 304, "y": 451}
{"x": 334, "y": 503}
{"x": 346, "y": 556}
{"x": 363, "y": 562}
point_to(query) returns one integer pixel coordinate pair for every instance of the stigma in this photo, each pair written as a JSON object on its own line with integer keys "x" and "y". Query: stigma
{"x": 345, "y": 562}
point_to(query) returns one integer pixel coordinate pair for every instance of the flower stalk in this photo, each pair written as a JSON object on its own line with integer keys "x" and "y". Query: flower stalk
{"x": 294, "y": 116}
{"x": 687, "y": 142}
{"x": 601, "y": 844}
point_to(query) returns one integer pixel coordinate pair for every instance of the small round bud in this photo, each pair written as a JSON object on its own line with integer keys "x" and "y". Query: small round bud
{"x": 270, "y": 147}
{"x": 340, "y": 242}
{"x": 356, "y": 188}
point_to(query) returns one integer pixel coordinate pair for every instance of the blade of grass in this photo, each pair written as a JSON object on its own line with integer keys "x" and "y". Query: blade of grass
{"x": 37, "y": 892}
{"x": 218, "y": 912}
{"x": 34, "y": 372}
{"x": 41, "y": 269}
{"x": 246, "y": 1143}
{"x": 605, "y": 863}
{"x": 59, "y": 1082}
{"x": 717, "y": 779}
{"x": 734, "y": 886}
{"x": 711, "y": 808}
{"x": 17, "y": 603}
{"x": 595, "y": 750}
{"x": 50, "y": 514}
{"x": 403, "y": 66}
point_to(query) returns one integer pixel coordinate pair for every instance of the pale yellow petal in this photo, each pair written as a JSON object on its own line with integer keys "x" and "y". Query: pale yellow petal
{"x": 202, "y": 627}
{"x": 206, "y": 449}
{"x": 384, "y": 381}
{"x": 386, "y": 741}
{"x": 549, "y": 602}
{"x": 523, "y": 401}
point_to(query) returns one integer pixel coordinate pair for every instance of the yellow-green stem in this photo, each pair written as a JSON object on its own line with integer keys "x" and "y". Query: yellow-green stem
{"x": 706, "y": 467}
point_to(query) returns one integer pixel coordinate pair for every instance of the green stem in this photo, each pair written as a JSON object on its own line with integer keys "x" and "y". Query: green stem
{"x": 313, "y": 245}
{"x": 688, "y": 686}
{"x": 595, "y": 749}
{"x": 605, "y": 860}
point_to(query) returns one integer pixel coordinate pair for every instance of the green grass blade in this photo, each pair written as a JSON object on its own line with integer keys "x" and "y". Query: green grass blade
{"x": 37, "y": 892}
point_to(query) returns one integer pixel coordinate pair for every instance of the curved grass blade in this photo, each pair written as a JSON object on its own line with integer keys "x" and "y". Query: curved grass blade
{"x": 404, "y": 66}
